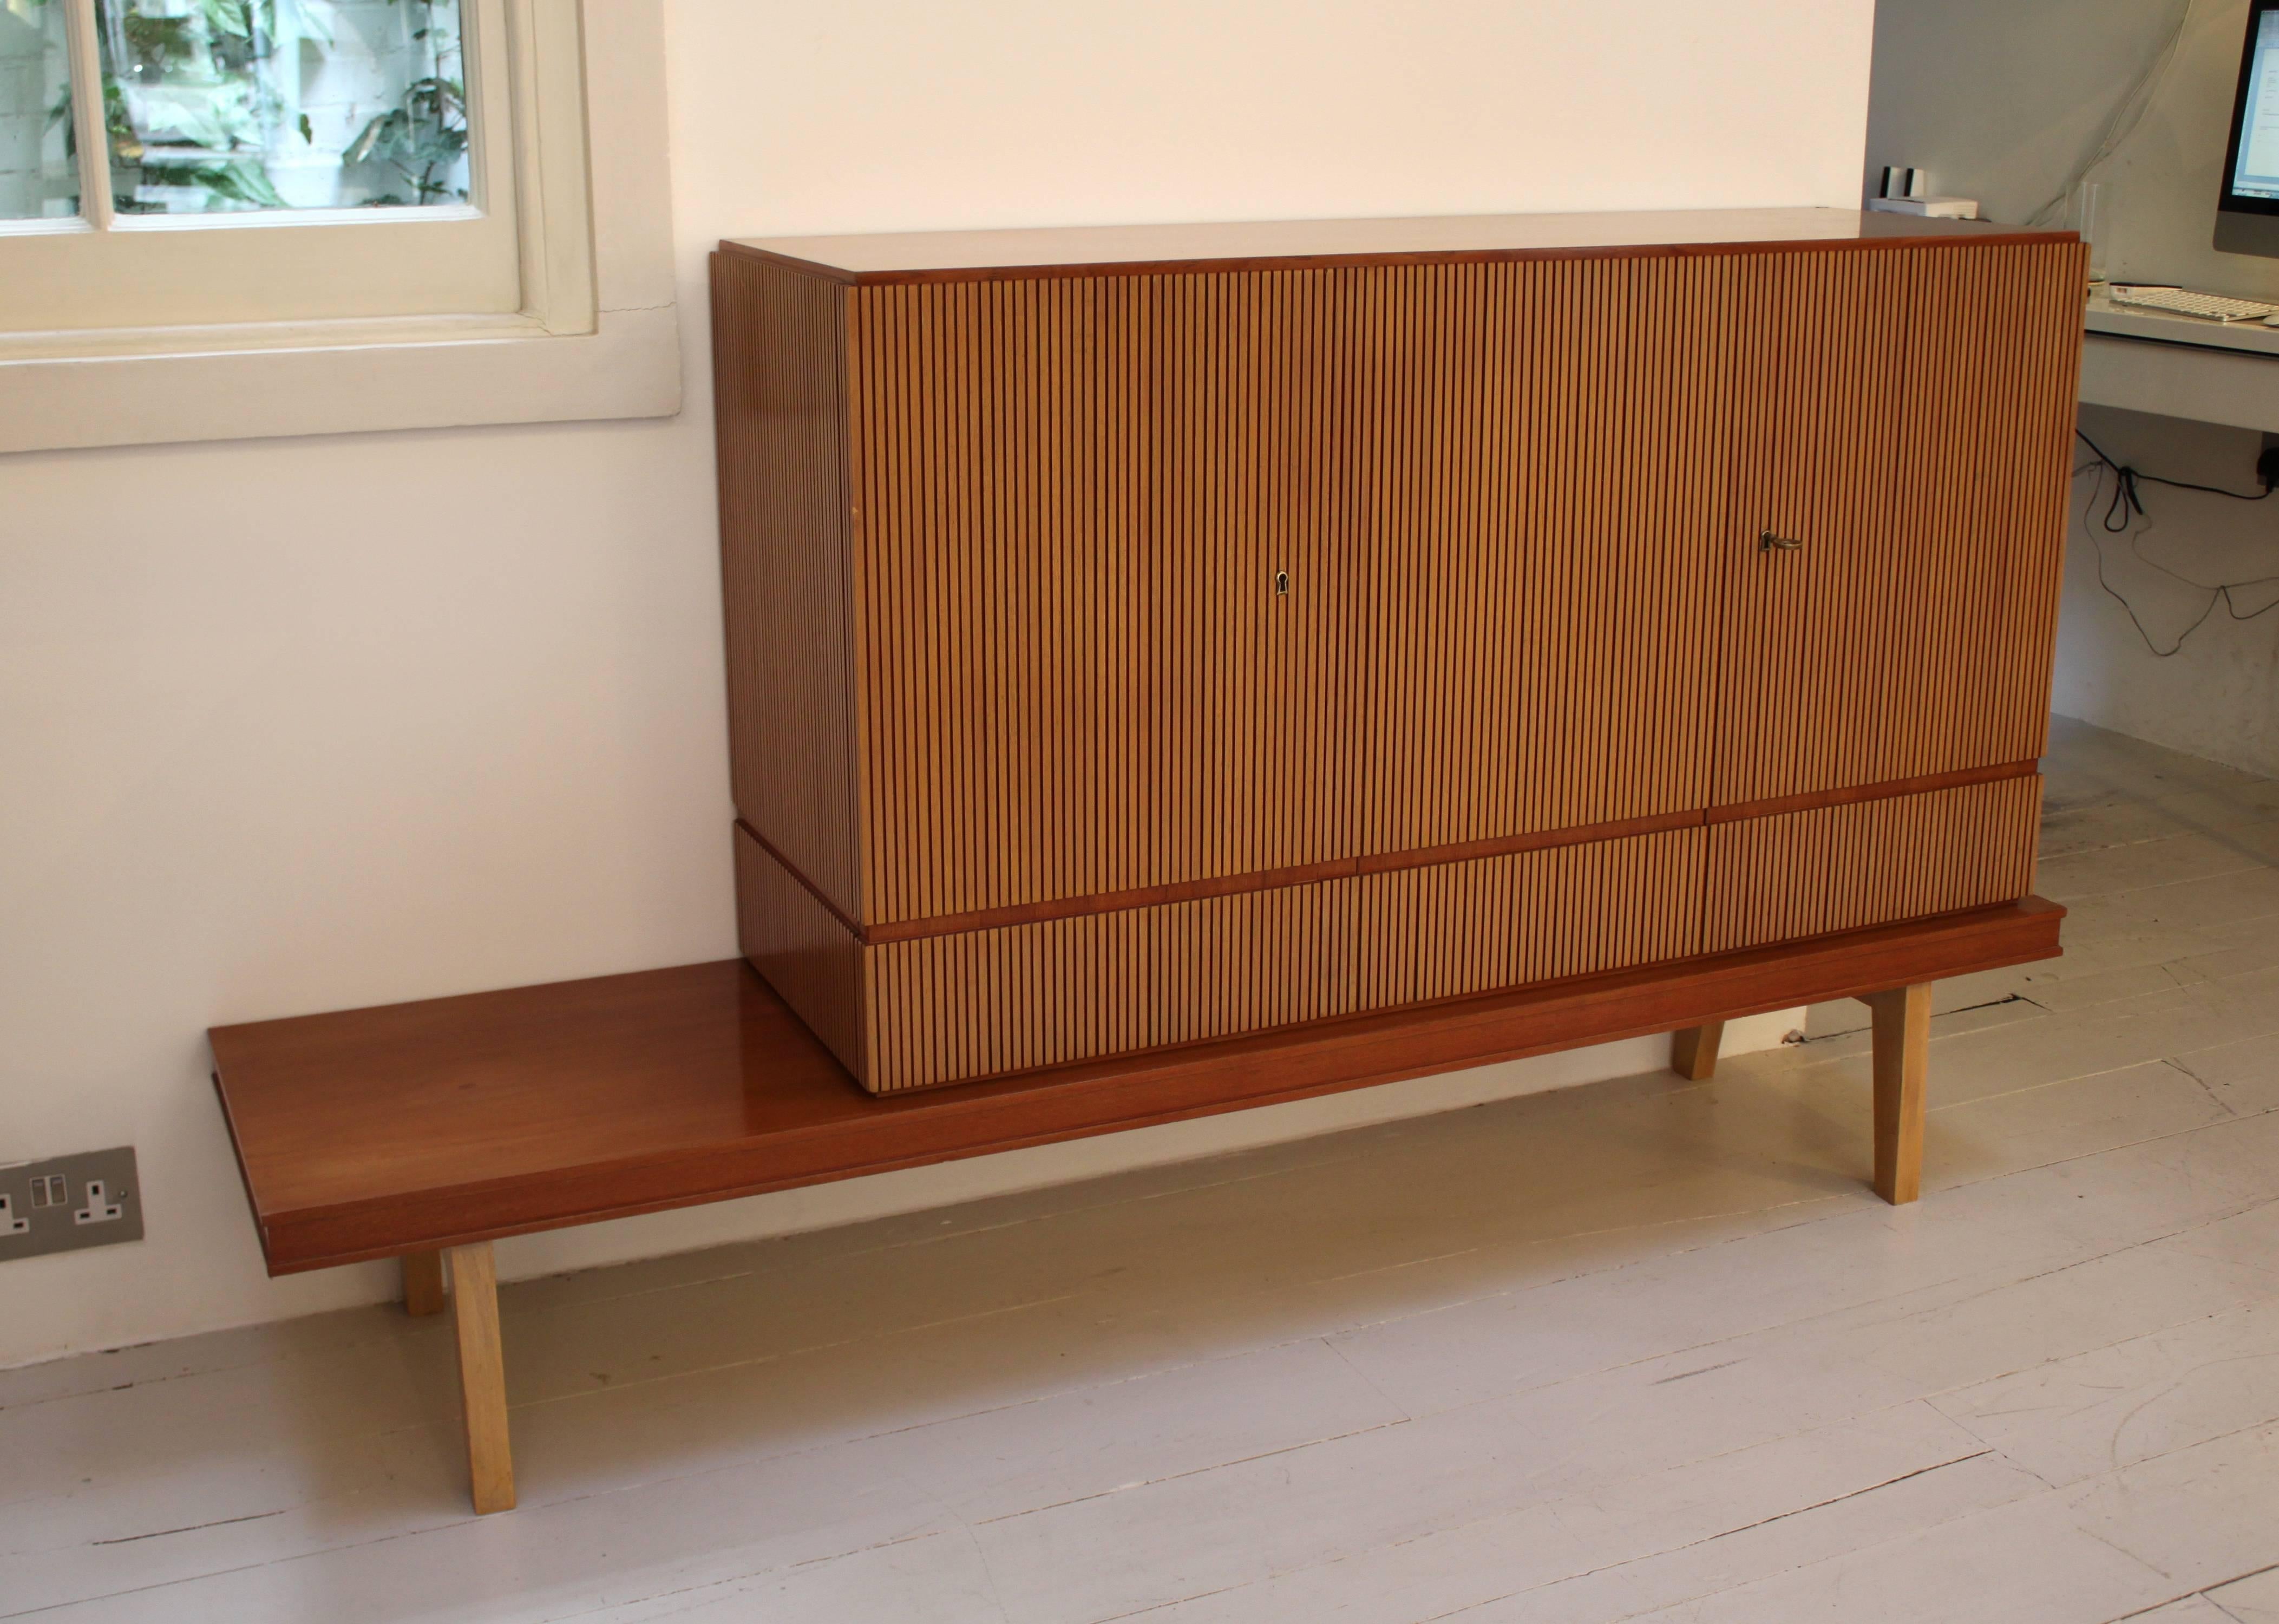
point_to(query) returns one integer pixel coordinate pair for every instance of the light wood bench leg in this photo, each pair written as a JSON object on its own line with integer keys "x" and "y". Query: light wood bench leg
{"x": 1693, "y": 1051}
{"x": 482, "y": 1375}
{"x": 1902, "y": 1024}
{"x": 423, "y": 1283}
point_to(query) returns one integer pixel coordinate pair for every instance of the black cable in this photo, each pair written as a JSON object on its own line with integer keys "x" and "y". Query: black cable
{"x": 2130, "y": 476}
{"x": 2128, "y": 505}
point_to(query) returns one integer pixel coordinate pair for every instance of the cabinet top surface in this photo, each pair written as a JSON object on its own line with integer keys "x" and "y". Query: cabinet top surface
{"x": 951, "y": 255}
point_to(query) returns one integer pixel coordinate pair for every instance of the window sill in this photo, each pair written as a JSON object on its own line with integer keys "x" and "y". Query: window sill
{"x": 146, "y": 389}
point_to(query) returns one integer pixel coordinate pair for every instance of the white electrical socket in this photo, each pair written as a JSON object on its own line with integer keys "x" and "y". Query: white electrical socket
{"x": 99, "y": 1208}
{"x": 70, "y": 1203}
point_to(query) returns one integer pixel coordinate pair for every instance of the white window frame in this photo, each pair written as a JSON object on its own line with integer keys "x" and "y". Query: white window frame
{"x": 597, "y": 335}
{"x": 101, "y": 268}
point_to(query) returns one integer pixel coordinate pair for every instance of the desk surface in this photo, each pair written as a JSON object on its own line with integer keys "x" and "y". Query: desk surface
{"x": 370, "y": 1133}
{"x": 954, "y": 255}
{"x": 2138, "y": 321}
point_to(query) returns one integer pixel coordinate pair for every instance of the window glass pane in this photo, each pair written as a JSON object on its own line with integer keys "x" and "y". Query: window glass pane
{"x": 219, "y": 106}
{"x": 38, "y": 179}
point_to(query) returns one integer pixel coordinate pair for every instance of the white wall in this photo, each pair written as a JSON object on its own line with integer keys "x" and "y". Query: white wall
{"x": 304, "y": 725}
{"x": 2218, "y": 697}
{"x": 2002, "y": 103}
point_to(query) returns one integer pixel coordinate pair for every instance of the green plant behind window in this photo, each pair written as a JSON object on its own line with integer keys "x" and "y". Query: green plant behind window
{"x": 424, "y": 138}
{"x": 195, "y": 107}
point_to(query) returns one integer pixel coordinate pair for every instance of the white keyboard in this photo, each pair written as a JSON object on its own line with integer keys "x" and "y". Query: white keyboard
{"x": 2215, "y": 307}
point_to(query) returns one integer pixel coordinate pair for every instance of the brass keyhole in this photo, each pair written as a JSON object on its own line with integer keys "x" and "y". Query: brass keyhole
{"x": 1281, "y": 583}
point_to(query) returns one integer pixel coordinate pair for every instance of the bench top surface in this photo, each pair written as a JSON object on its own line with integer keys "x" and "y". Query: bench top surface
{"x": 406, "y": 1103}
{"x": 370, "y": 1133}
{"x": 364, "y": 1102}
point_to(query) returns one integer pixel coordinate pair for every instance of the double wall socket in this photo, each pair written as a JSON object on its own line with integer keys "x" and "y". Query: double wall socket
{"x": 67, "y": 1203}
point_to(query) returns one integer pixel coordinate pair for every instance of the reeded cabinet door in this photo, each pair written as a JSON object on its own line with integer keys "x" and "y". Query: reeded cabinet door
{"x": 1535, "y": 476}
{"x": 1076, "y": 500}
{"x": 1889, "y": 561}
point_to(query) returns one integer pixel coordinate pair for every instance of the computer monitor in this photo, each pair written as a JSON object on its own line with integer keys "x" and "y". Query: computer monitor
{"x": 2247, "y": 213}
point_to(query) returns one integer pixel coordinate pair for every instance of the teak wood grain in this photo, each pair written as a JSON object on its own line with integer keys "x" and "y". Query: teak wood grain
{"x": 1693, "y": 1051}
{"x": 1080, "y": 501}
{"x": 1864, "y": 863}
{"x": 1154, "y": 634}
{"x": 424, "y": 1288}
{"x": 996, "y": 1000}
{"x": 1905, "y": 418}
{"x": 1379, "y": 862}
{"x": 377, "y": 1132}
{"x": 1902, "y": 1018}
{"x": 786, "y": 564}
{"x": 974, "y": 1004}
{"x": 482, "y": 1377}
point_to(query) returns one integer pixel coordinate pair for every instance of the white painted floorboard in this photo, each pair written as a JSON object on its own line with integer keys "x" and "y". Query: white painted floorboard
{"x": 1638, "y": 1351}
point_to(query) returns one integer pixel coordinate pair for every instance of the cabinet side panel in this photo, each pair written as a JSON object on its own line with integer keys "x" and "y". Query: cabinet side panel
{"x": 1843, "y": 867}
{"x": 804, "y": 952}
{"x": 780, "y": 353}
{"x": 985, "y": 1003}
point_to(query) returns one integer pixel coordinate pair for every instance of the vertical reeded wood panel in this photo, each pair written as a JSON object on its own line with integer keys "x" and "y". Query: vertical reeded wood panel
{"x": 779, "y": 354}
{"x": 1493, "y": 491}
{"x": 1868, "y": 862}
{"x": 1986, "y": 465}
{"x": 1904, "y": 415}
{"x": 1536, "y": 478}
{"x": 1078, "y": 675}
{"x": 982, "y": 1003}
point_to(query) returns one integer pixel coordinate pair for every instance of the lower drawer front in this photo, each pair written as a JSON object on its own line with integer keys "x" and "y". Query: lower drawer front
{"x": 976, "y": 1004}
{"x": 1845, "y": 867}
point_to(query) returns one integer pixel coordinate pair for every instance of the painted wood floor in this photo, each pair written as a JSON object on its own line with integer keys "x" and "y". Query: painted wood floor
{"x": 1640, "y": 1351}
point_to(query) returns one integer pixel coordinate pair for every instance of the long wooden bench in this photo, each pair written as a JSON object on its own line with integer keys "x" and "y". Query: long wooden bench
{"x": 426, "y": 1132}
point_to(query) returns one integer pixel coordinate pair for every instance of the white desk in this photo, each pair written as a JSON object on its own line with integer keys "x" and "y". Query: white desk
{"x": 2180, "y": 366}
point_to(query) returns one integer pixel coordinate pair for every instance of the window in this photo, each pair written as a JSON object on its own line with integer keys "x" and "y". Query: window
{"x": 229, "y": 184}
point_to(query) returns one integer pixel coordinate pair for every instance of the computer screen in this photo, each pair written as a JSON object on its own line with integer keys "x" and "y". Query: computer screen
{"x": 2247, "y": 214}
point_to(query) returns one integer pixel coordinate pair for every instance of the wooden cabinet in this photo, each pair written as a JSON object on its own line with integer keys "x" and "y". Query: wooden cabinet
{"x": 1141, "y": 637}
